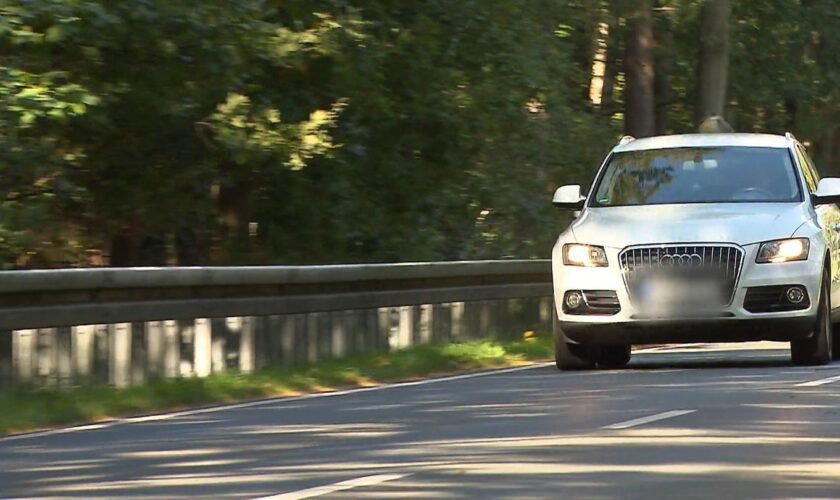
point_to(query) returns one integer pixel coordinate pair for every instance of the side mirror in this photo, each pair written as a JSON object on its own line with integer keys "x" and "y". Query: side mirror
{"x": 828, "y": 191}
{"x": 569, "y": 197}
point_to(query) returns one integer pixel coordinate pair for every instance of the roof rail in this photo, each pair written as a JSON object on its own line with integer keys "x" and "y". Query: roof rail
{"x": 624, "y": 140}
{"x": 789, "y": 136}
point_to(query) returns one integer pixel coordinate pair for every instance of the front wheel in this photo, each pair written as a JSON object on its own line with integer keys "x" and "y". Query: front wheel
{"x": 816, "y": 350}
{"x": 835, "y": 343}
{"x": 613, "y": 356}
{"x": 569, "y": 356}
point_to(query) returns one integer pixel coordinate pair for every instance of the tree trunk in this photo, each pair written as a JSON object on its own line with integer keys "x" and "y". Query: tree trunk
{"x": 234, "y": 207}
{"x": 590, "y": 41}
{"x": 189, "y": 250}
{"x": 152, "y": 252}
{"x": 825, "y": 151}
{"x": 611, "y": 65}
{"x": 664, "y": 58}
{"x": 639, "y": 101}
{"x": 713, "y": 63}
{"x": 123, "y": 251}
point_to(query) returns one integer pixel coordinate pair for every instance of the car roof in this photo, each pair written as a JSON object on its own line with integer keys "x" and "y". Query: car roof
{"x": 704, "y": 140}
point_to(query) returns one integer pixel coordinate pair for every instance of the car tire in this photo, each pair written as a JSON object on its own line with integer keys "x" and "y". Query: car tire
{"x": 835, "y": 344}
{"x": 570, "y": 356}
{"x": 816, "y": 349}
{"x": 613, "y": 356}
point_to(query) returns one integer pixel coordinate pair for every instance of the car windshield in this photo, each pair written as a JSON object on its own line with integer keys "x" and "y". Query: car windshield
{"x": 697, "y": 175}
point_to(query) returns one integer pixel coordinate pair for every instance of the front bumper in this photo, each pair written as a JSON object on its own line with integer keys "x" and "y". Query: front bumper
{"x": 698, "y": 330}
{"x": 736, "y": 324}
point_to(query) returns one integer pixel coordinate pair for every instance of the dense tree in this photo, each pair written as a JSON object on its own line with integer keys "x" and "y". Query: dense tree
{"x": 640, "y": 100}
{"x": 663, "y": 64}
{"x": 268, "y": 131}
{"x": 713, "y": 61}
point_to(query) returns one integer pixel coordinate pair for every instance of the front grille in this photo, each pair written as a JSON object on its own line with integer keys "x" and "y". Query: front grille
{"x": 718, "y": 263}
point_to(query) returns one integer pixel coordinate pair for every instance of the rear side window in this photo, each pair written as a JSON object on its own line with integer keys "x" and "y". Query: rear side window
{"x": 809, "y": 171}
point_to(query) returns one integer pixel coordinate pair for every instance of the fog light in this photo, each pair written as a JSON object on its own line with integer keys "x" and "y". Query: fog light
{"x": 795, "y": 295}
{"x": 573, "y": 300}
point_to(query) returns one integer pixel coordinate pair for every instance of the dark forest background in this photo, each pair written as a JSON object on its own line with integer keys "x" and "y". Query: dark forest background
{"x": 198, "y": 132}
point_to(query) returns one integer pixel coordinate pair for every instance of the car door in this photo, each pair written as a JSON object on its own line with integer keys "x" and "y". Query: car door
{"x": 829, "y": 218}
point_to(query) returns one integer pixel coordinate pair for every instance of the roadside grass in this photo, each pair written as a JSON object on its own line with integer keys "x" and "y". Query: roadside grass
{"x": 24, "y": 409}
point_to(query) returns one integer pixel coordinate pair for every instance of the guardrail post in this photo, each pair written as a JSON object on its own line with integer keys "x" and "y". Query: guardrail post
{"x": 24, "y": 345}
{"x": 360, "y": 325}
{"x": 186, "y": 348}
{"x": 264, "y": 353}
{"x": 218, "y": 336}
{"x": 339, "y": 334}
{"x": 312, "y": 337}
{"x": 287, "y": 338}
{"x": 486, "y": 325}
{"x": 82, "y": 340}
{"x": 442, "y": 321}
{"x": 383, "y": 333}
{"x": 272, "y": 332}
{"x": 101, "y": 353}
{"x": 458, "y": 326}
{"x": 247, "y": 345}
{"x": 301, "y": 334}
{"x": 202, "y": 348}
{"x": 120, "y": 350}
{"x": 354, "y": 323}
{"x": 546, "y": 305}
{"x": 154, "y": 348}
{"x": 138, "y": 353}
{"x": 5, "y": 359}
{"x": 511, "y": 320}
{"x": 63, "y": 355}
{"x": 427, "y": 319}
{"x": 45, "y": 355}
{"x": 369, "y": 332}
{"x": 172, "y": 349}
{"x": 405, "y": 327}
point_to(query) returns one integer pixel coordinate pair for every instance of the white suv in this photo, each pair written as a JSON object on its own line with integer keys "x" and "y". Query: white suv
{"x": 698, "y": 238}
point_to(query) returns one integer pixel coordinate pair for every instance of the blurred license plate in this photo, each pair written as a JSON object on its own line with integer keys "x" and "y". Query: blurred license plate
{"x": 670, "y": 296}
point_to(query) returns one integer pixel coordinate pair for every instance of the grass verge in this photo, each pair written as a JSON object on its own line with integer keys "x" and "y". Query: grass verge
{"x": 26, "y": 409}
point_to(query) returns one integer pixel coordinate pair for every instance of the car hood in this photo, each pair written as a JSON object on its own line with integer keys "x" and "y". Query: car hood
{"x": 740, "y": 223}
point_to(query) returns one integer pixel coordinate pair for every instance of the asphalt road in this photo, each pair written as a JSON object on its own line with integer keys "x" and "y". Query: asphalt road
{"x": 692, "y": 422}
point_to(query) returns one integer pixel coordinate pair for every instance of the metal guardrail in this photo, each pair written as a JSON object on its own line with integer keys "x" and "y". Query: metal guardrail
{"x": 125, "y": 326}
{"x": 69, "y": 297}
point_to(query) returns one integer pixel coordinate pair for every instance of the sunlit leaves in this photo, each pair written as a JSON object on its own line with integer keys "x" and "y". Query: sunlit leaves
{"x": 348, "y": 130}
{"x": 253, "y": 135}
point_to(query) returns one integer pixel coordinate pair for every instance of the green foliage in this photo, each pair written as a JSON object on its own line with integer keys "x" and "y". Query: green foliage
{"x": 783, "y": 72}
{"x": 353, "y": 131}
{"x": 260, "y": 131}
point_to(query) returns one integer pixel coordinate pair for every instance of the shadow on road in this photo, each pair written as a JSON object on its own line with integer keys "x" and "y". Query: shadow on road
{"x": 752, "y": 355}
{"x": 663, "y": 362}
{"x": 532, "y": 434}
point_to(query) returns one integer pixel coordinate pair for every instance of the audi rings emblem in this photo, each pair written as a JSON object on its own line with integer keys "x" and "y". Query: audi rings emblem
{"x": 681, "y": 260}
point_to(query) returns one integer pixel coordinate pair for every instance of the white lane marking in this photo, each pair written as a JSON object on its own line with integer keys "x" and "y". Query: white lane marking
{"x": 644, "y": 420}
{"x": 265, "y": 402}
{"x": 332, "y": 488}
{"x": 817, "y": 383}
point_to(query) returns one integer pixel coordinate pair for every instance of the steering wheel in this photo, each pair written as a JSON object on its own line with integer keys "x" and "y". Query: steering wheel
{"x": 753, "y": 193}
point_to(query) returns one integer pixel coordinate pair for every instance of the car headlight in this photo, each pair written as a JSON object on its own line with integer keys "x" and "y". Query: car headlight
{"x": 584, "y": 255}
{"x": 783, "y": 250}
